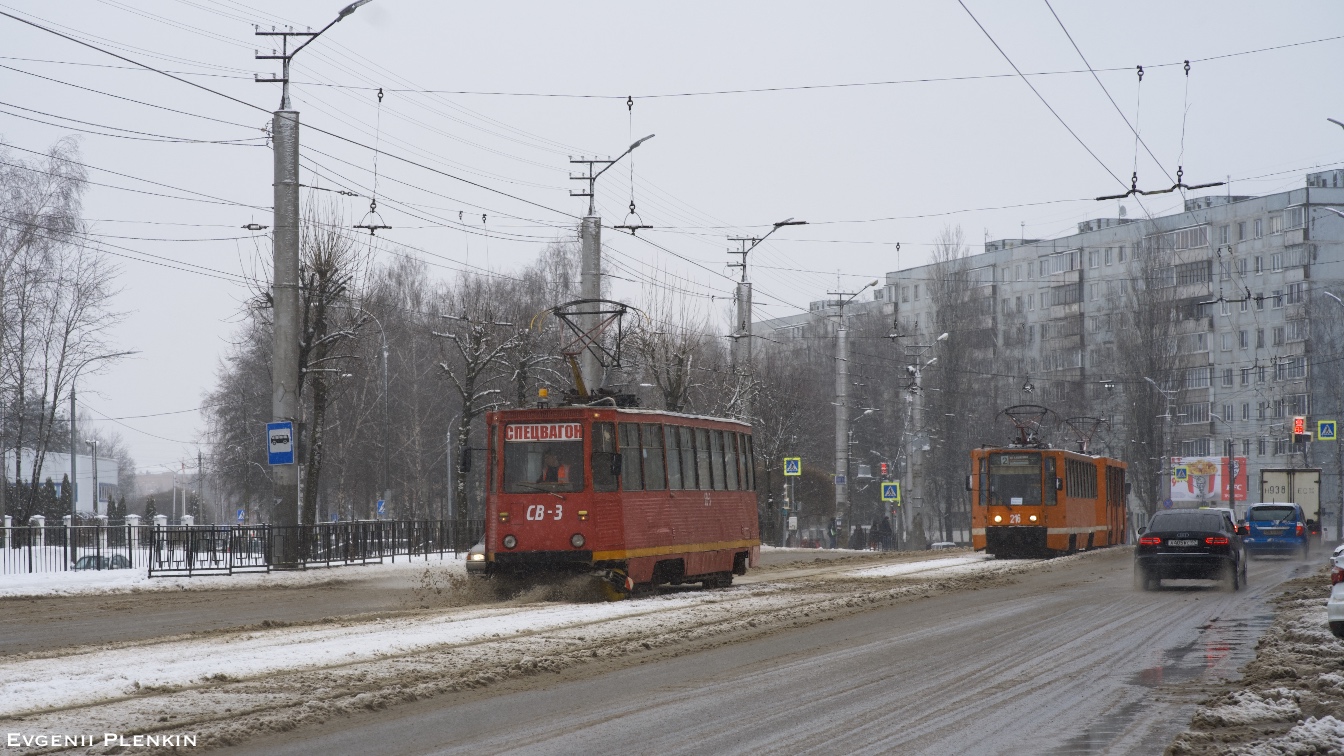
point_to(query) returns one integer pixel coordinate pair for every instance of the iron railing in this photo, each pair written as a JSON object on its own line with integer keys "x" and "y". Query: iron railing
{"x": 28, "y": 549}
{"x": 224, "y": 550}
{"x": 187, "y": 550}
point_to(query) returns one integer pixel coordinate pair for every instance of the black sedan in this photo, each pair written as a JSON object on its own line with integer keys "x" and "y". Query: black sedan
{"x": 1189, "y": 544}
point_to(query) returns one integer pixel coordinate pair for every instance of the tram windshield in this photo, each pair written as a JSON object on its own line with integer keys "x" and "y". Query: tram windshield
{"x": 543, "y": 457}
{"x": 1015, "y": 479}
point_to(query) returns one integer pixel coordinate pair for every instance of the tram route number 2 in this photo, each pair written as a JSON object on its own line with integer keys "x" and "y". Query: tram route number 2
{"x": 539, "y": 512}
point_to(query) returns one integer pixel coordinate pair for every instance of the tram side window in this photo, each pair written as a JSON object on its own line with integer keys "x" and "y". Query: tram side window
{"x": 632, "y": 474}
{"x": 1051, "y": 496}
{"x": 653, "y": 458}
{"x": 604, "y": 449}
{"x": 687, "y": 458}
{"x": 716, "y": 458}
{"x": 751, "y": 461}
{"x": 673, "y": 445}
{"x": 744, "y": 461}
{"x": 730, "y": 460}
{"x": 490, "y": 463}
{"x": 984, "y": 478}
{"x": 702, "y": 458}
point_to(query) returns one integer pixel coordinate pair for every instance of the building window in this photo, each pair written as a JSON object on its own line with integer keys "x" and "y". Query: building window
{"x": 1197, "y": 377}
{"x": 1194, "y": 273}
{"x": 1225, "y": 308}
{"x": 1031, "y": 301}
{"x": 1295, "y": 295}
{"x": 1227, "y": 344}
{"x": 1260, "y": 447}
{"x": 1298, "y": 330}
{"x": 1197, "y": 447}
{"x": 1278, "y": 409}
{"x": 1292, "y": 368}
{"x": 905, "y": 293}
{"x": 1108, "y": 256}
{"x": 1260, "y": 374}
{"x": 1297, "y": 404}
{"x": 1259, "y": 264}
{"x": 1259, "y": 338}
{"x": 1241, "y": 267}
{"x": 1276, "y": 261}
{"x": 1294, "y": 217}
{"x": 1259, "y": 300}
{"x": 1245, "y": 447}
{"x": 1260, "y": 408}
{"x": 1245, "y": 410}
{"x": 1120, "y": 253}
{"x": 1241, "y": 231}
{"x": 1280, "y": 446}
{"x": 1227, "y": 415}
{"x": 1227, "y": 377}
{"x": 1278, "y": 298}
{"x": 1278, "y": 335}
{"x": 1017, "y": 272}
{"x": 1093, "y": 258}
{"x": 1245, "y": 376}
{"x": 1259, "y": 228}
{"x": 1243, "y": 339}
{"x": 916, "y": 292}
{"x": 1222, "y": 234}
{"x": 1276, "y": 224}
{"x": 1224, "y": 270}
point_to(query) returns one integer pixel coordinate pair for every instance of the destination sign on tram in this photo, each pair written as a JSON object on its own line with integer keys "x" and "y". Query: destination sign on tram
{"x": 543, "y": 432}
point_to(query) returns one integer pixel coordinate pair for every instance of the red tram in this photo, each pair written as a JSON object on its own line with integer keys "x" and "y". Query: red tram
{"x": 640, "y": 497}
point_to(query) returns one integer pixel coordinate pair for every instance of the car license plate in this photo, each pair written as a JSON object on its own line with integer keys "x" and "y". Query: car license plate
{"x": 1271, "y": 531}
{"x": 1182, "y": 542}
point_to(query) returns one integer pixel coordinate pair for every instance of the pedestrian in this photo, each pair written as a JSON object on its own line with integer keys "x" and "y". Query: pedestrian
{"x": 885, "y": 534}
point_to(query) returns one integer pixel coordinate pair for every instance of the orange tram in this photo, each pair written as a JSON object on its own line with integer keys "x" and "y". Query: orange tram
{"x": 639, "y": 497}
{"x": 1034, "y": 501}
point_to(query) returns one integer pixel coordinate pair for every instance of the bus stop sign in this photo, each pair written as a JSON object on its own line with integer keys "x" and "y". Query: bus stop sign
{"x": 280, "y": 443}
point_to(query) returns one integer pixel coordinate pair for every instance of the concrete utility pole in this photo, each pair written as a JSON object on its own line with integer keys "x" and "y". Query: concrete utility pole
{"x": 916, "y": 437}
{"x": 590, "y": 269}
{"x": 285, "y": 269}
{"x": 842, "y": 415}
{"x": 740, "y": 352}
{"x": 94, "y": 445}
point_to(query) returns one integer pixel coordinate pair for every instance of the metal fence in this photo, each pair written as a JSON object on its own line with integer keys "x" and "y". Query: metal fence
{"x": 29, "y": 549}
{"x": 186, "y": 550}
{"x": 224, "y": 550}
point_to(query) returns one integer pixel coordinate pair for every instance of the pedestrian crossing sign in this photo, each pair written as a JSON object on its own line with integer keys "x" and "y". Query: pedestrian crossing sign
{"x": 891, "y": 491}
{"x": 793, "y": 466}
{"x": 1326, "y": 430}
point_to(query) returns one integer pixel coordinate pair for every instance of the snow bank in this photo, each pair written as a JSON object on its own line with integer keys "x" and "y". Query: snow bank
{"x": 95, "y": 582}
{"x": 1248, "y": 707}
{"x": 1314, "y": 736}
{"x": 905, "y": 568}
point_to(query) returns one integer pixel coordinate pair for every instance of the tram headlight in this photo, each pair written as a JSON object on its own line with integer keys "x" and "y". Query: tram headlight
{"x": 577, "y": 540}
{"x": 998, "y": 518}
{"x": 510, "y": 541}
{"x": 1032, "y": 518}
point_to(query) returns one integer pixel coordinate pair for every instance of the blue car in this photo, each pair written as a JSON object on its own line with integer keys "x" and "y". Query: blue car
{"x": 1276, "y": 529}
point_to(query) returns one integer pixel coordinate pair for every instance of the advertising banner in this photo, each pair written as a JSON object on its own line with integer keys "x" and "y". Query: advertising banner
{"x": 1205, "y": 479}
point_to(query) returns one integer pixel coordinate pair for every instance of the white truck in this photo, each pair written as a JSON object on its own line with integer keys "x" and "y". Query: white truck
{"x": 1301, "y": 486}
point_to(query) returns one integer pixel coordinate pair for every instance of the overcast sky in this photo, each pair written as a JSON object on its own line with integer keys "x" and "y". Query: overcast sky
{"x": 941, "y": 132}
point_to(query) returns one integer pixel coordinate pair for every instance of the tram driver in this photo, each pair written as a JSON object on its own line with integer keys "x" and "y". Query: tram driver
{"x": 551, "y": 469}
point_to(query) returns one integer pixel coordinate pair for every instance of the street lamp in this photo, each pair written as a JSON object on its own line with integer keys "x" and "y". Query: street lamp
{"x": 74, "y": 445}
{"x": 93, "y": 444}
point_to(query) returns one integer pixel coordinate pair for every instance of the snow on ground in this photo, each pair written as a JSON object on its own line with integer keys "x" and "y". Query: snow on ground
{"x": 905, "y": 568}
{"x": 1313, "y": 736}
{"x": 94, "y": 582}
{"x": 32, "y": 684}
{"x": 94, "y": 674}
{"x": 1249, "y": 707}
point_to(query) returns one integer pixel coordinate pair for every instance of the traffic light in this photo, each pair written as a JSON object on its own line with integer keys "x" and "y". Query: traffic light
{"x": 884, "y": 469}
{"x": 1300, "y": 434}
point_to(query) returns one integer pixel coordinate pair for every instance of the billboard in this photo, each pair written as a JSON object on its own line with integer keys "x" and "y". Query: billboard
{"x": 1204, "y": 479}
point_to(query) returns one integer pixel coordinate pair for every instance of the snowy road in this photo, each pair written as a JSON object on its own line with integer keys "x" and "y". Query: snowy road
{"x": 1066, "y": 659}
